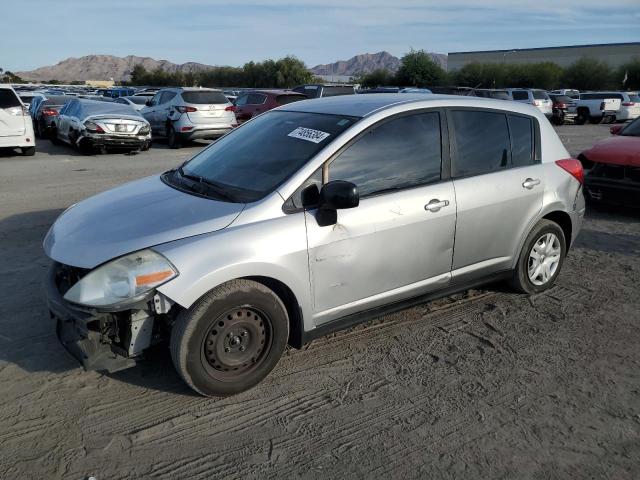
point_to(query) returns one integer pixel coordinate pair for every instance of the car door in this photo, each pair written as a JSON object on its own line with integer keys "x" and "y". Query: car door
{"x": 499, "y": 185}
{"x": 62, "y": 122}
{"x": 149, "y": 112}
{"x": 399, "y": 241}
{"x": 163, "y": 110}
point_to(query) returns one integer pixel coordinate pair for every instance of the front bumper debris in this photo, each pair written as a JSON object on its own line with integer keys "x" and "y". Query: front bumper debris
{"x": 87, "y": 346}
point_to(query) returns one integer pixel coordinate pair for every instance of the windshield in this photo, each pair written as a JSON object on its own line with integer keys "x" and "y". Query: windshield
{"x": 632, "y": 130}
{"x": 255, "y": 159}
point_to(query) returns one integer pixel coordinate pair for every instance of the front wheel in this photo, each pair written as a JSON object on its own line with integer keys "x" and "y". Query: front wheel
{"x": 540, "y": 259}
{"x": 230, "y": 339}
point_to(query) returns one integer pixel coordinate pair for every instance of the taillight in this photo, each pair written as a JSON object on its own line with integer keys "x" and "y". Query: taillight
{"x": 561, "y": 105}
{"x": 184, "y": 109}
{"x": 574, "y": 167}
{"x": 230, "y": 108}
{"x": 628, "y": 104}
{"x": 603, "y": 106}
{"x": 48, "y": 112}
{"x": 93, "y": 127}
{"x": 536, "y": 103}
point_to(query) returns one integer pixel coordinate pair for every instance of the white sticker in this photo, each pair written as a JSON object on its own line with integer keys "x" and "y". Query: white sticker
{"x": 309, "y": 134}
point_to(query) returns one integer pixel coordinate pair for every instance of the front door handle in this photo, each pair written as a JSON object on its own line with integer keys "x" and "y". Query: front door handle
{"x": 435, "y": 205}
{"x": 529, "y": 183}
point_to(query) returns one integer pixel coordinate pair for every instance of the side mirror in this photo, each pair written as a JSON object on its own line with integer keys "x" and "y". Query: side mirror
{"x": 148, "y": 102}
{"x": 615, "y": 130}
{"x": 334, "y": 196}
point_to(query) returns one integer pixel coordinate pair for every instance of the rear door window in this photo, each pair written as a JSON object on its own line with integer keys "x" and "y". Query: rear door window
{"x": 204, "y": 97}
{"x": 401, "y": 153}
{"x": 8, "y": 99}
{"x": 522, "y": 140}
{"x": 481, "y": 142}
{"x": 540, "y": 95}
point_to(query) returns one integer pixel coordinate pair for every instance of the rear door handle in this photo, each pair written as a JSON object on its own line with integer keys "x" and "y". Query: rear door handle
{"x": 435, "y": 205}
{"x": 529, "y": 183}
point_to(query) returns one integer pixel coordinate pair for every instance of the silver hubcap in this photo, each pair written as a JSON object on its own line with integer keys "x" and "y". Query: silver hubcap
{"x": 544, "y": 259}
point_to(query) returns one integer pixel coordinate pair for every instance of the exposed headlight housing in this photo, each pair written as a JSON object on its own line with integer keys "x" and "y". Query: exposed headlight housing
{"x": 123, "y": 281}
{"x": 144, "y": 130}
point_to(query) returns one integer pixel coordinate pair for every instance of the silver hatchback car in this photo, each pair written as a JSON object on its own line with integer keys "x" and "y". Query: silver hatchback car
{"x": 184, "y": 114}
{"x": 306, "y": 220}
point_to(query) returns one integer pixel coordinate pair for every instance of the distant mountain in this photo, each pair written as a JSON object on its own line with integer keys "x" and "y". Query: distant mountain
{"x": 367, "y": 63}
{"x": 104, "y": 67}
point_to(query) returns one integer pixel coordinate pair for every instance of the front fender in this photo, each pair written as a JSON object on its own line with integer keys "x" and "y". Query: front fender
{"x": 274, "y": 248}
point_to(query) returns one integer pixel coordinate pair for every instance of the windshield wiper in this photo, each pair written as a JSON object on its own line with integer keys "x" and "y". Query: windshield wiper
{"x": 217, "y": 189}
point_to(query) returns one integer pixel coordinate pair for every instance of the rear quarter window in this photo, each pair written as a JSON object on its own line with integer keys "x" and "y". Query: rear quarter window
{"x": 8, "y": 99}
{"x": 204, "y": 98}
{"x": 522, "y": 140}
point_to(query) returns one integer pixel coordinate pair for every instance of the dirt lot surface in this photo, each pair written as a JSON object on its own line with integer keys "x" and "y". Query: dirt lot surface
{"x": 487, "y": 384}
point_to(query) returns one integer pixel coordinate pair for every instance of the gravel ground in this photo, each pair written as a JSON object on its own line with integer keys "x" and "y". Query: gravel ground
{"x": 485, "y": 384}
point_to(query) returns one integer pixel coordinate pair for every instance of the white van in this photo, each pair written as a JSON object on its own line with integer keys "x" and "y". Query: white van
{"x": 16, "y": 128}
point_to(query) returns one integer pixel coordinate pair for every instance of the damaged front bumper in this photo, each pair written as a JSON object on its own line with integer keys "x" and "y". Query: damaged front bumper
{"x": 103, "y": 341}
{"x": 108, "y": 140}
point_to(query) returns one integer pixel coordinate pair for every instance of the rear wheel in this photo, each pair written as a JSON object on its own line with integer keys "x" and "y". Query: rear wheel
{"x": 172, "y": 137}
{"x": 540, "y": 259}
{"x": 582, "y": 117}
{"x": 28, "y": 151}
{"x": 86, "y": 147}
{"x": 230, "y": 339}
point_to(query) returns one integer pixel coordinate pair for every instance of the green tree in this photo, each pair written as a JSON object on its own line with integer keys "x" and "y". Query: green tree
{"x": 631, "y": 72}
{"x": 588, "y": 74}
{"x": 417, "y": 69}
{"x": 377, "y": 78}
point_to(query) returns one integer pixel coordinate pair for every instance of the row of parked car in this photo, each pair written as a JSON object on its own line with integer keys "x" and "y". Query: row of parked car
{"x": 128, "y": 118}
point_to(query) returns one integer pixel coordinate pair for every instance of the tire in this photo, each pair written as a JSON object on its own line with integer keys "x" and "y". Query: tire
{"x": 146, "y": 146}
{"x": 85, "y": 148}
{"x": 28, "y": 151}
{"x": 582, "y": 117}
{"x": 172, "y": 137}
{"x": 545, "y": 279}
{"x": 214, "y": 344}
{"x": 53, "y": 136}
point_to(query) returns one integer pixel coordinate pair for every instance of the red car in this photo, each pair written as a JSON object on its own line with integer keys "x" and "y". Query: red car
{"x": 612, "y": 167}
{"x": 255, "y": 102}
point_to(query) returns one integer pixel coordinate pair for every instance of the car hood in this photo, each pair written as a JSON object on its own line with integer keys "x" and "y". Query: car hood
{"x": 132, "y": 217}
{"x": 616, "y": 150}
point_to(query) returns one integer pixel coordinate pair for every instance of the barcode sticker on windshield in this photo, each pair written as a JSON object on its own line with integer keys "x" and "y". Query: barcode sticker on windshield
{"x": 309, "y": 134}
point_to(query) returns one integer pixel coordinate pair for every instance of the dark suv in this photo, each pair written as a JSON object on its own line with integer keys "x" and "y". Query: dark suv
{"x": 323, "y": 90}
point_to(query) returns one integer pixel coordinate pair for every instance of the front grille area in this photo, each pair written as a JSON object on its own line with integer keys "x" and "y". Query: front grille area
{"x": 615, "y": 172}
{"x": 67, "y": 276}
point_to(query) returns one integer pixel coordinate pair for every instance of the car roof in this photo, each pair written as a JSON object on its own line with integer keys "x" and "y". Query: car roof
{"x": 364, "y": 105}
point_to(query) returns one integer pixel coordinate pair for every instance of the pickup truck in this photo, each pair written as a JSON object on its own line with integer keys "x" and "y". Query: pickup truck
{"x": 596, "y": 107}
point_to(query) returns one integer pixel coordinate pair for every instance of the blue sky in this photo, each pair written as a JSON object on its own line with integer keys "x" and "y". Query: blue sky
{"x": 232, "y": 33}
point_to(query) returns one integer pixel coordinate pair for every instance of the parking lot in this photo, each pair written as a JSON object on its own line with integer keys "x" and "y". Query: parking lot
{"x": 485, "y": 384}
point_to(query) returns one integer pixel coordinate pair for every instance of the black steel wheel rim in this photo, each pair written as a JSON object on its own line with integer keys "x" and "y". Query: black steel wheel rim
{"x": 236, "y": 343}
